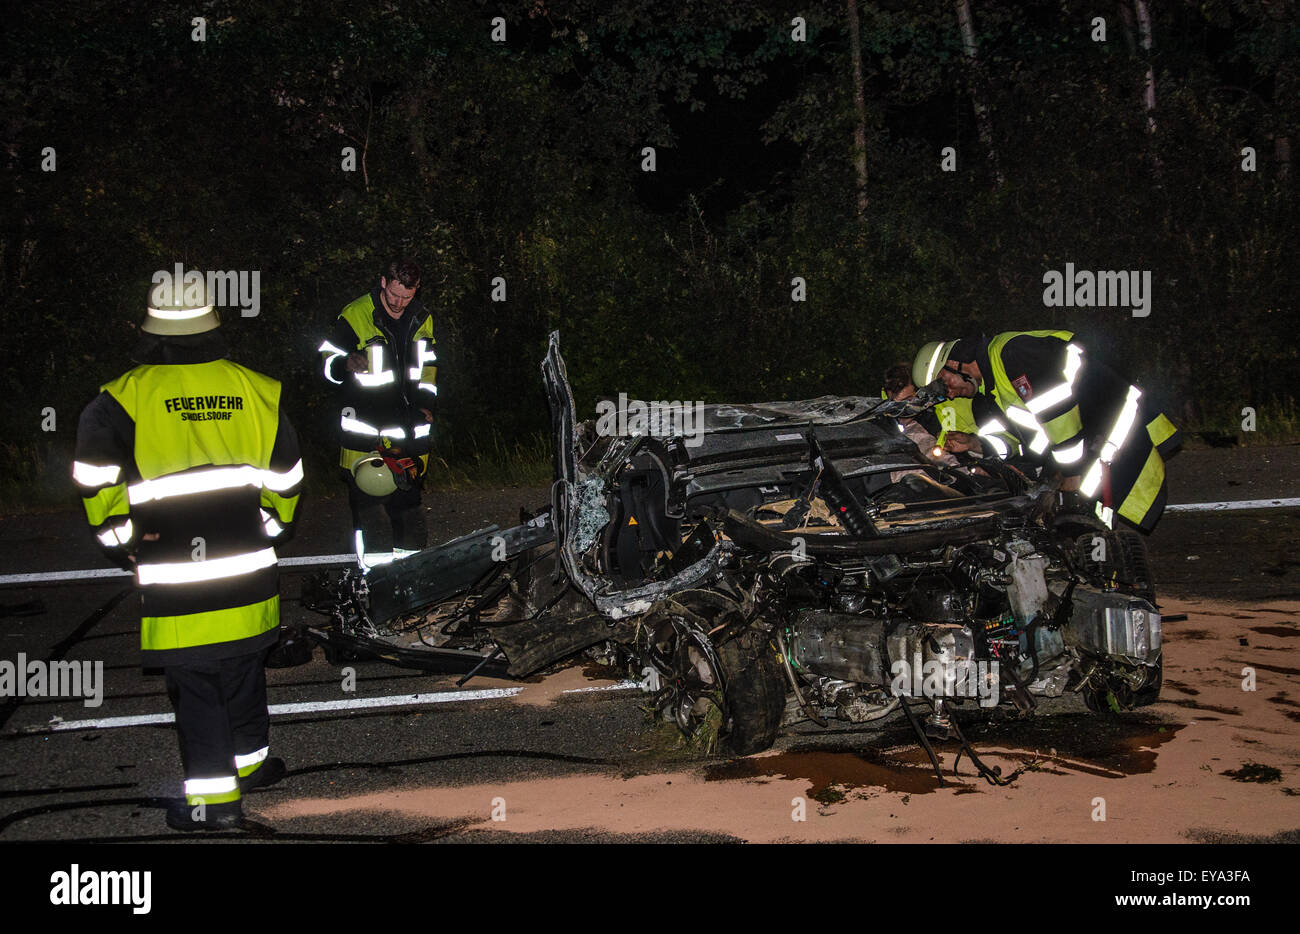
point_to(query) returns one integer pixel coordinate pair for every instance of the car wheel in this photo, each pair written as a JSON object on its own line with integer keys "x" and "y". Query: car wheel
{"x": 1124, "y": 561}
{"x": 754, "y": 694}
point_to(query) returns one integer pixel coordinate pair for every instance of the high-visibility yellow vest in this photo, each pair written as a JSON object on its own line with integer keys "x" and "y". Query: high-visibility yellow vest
{"x": 199, "y": 499}
{"x": 954, "y": 415}
{"x": 1039, "y": 428}
{"x": 370, "y": 420}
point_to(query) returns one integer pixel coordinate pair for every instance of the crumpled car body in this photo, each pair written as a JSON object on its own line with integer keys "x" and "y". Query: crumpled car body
{"x": 757, "y": 565}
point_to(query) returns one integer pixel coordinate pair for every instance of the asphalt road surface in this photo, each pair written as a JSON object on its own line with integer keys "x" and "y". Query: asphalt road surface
{"x": 562, "y": 756}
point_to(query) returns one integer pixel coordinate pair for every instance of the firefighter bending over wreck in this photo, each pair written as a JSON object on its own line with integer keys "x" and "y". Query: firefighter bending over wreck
{"x": 1067, "y": 410}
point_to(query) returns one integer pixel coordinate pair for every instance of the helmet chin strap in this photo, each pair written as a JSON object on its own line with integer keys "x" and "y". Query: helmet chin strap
{"x": 963, "y": 375}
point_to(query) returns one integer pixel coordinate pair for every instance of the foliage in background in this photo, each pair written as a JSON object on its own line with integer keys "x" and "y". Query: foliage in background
{"x": 522, "y": 160}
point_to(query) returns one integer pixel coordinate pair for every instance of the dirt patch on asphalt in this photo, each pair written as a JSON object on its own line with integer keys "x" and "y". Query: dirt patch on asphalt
{"x": 1254, "y": 772}
{"x": 1154, "y": 775}
{"x": 1282, "y": 632}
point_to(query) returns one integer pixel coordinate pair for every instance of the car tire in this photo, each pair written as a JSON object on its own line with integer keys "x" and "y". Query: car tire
{"x": 336, "y": 655}
{"x": 1135, "y": 566}
{"x": 294, "y": 648}
{"x": 754, "y": 694}
{"x": 1126, "y": 559}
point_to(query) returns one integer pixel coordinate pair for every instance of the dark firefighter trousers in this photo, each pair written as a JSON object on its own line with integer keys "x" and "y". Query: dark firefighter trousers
{"x": 220, "y": 712}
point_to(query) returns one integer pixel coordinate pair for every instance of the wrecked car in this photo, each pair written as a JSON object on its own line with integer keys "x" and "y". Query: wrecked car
{"x": 775, "y": 563}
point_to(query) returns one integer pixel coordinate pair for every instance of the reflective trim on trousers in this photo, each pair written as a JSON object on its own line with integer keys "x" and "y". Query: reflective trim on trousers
{"x": 211, "y": 786}
{"x": 246, "y": 765}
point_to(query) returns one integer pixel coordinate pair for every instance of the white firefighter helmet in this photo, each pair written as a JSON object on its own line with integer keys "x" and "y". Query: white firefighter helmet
{"x": 929, "y": 361}
{"x": 373, "y": 477}
{"x": 176, "y": 309}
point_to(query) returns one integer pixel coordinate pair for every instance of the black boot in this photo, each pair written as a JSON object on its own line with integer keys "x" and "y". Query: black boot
{"x": 267, "y": 774}
{"x": 224, "y": 816}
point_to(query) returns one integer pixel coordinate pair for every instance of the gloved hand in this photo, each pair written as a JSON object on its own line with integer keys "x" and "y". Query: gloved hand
{"x": 406, "y": 470}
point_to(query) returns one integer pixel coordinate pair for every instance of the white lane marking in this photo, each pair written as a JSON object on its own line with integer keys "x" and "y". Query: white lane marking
{"x": 396, "y": 700}
{"x": 1235, "y": 504}
{"x": 621, "y": 686}
{"x": 106, "y": 723}
{"x": 54, "y": 577}
{"x": 309, "y": 560}
{"x": 353, "y": 703}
